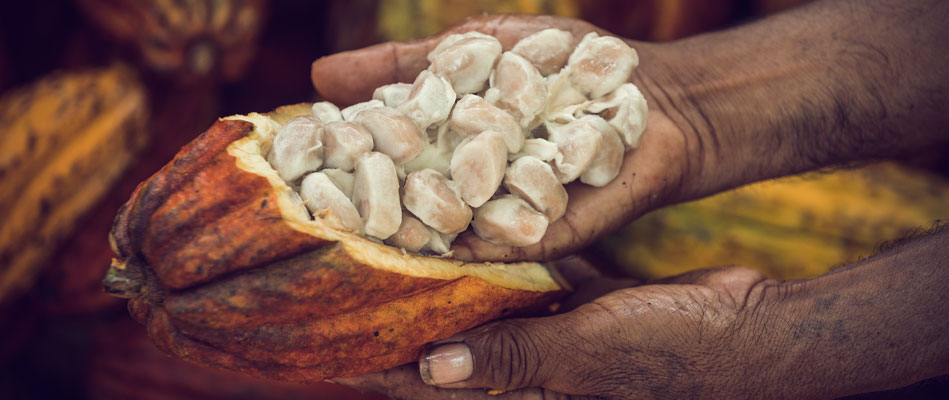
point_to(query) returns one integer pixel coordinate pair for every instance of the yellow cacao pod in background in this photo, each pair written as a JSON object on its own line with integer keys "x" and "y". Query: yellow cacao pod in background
{"x": 65, "y": 139}
{"x": 790, "y": 228}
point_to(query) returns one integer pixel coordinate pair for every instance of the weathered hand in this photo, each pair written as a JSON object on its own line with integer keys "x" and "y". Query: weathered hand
{"x": 683, "y": 337}
{"x": 650, "y": 177}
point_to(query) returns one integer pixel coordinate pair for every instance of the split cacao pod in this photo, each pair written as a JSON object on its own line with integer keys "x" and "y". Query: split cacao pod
{"x": 66, "y": 139}
{"x": 226, "y": 269}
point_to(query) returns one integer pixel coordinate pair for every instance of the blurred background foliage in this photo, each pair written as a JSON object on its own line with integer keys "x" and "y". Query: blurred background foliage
{"x": 195, "y": 60}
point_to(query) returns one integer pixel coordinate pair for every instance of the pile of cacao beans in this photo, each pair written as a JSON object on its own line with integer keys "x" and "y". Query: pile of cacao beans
{"x": 482, "y": 137}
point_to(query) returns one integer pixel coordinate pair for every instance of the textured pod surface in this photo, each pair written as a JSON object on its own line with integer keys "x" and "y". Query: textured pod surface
{"x": 65, "y": 140}
{"x": 225, "y": 268}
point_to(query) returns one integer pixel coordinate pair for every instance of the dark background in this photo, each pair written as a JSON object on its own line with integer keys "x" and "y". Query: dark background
{"x": 65, "y": 339}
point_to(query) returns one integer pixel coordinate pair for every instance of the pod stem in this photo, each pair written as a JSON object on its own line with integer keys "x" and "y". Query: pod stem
{"x": 124, "y": 279}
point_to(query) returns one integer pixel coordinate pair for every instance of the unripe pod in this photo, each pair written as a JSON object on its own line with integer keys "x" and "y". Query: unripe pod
{"x": 412, "y": 235}
{"x": 473, "y": 115}
{"x": 297, "y": 148}
{"x": 609, "y": 159}
{"x": 465, "y": 60}
{"x": 509, "y": 221}
{"x": 521, "y": 90}
{"x": 600, "y": 64}
{"x": 433, "y": 199}
{"x": 393, "y": 134}
{"x": 534, "y": 181}
{"x": 478, "y": 165}
{"x": 393, "y": 95}
{"x": 548, "y": 49}
{"x": 320, "y": 193}
{"x": 376, "y": 195}
{"x": 326, "y": 112}
{"x": 578, "y": 143}
{"x": 430, "y": 100}
{"x": 343, "y": 143}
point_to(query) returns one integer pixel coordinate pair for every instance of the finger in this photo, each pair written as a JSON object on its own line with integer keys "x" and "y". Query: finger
{"x": 586, "y": 281}
{"x": 735, "y": 281}
{"x": 576, "y": 270}
{"x": 509, "y": 355}
{"x": 350, "y": 77}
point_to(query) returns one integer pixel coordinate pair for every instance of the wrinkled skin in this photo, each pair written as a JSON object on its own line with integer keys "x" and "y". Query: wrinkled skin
{"x": 650, "y": 176}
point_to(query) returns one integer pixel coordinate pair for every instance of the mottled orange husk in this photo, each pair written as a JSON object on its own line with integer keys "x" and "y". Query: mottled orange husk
{"x": 220, "y": 278}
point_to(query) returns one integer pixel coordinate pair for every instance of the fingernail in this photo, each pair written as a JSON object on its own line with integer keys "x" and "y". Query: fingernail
{"x": 448, "y": 363}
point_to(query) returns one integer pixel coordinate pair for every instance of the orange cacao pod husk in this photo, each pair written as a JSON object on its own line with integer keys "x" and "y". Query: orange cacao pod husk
{"x": 226, "y": 269}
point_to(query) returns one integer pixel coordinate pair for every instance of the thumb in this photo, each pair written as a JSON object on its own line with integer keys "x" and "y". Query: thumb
{"x": 510, "y": 354}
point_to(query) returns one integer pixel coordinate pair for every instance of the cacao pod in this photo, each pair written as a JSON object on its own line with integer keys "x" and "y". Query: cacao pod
{"x": 791, "y": 228}
{"x": 225, "y": 268}
{"x": 126, "y": 365}
{"x": 190, "y": 40}
{"x": 66, "y": 139}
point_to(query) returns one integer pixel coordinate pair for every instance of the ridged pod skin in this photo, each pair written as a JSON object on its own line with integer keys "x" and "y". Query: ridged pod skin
{"x": 226, "y": 269}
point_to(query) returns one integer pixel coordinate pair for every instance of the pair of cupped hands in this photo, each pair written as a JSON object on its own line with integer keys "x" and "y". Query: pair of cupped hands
{"x": 613, "y": 338}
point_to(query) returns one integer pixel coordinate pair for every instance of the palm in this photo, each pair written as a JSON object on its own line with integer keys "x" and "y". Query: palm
{"x": 644, "y": 182}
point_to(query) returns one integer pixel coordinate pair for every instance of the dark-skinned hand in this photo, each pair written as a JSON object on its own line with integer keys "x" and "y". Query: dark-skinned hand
{"x": 650, "y": 175}
{"x": 673, "y": 337}
{"x": 824, "y": 84}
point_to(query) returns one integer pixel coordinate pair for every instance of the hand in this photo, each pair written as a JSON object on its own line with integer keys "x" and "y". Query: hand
{"x": 651, "y": 174}
{"x": 686, "y": 336}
